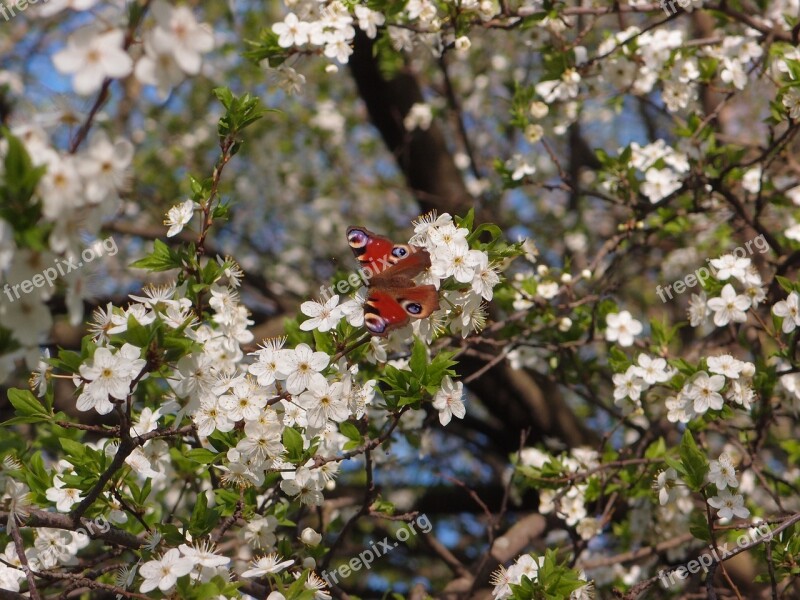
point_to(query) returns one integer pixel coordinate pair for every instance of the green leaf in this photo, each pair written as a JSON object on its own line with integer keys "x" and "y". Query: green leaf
{"x": 419, "y": 358}
{"x": 662, "y": 333}
{"x": 202, "y": 456}
{"x": 440, "y": 366}
{"x": 266, "y": 48}
{"x": 467, "y": 221}
{"x": 224, "y": 95}
{"x": 351, "y": 432}
{"x": 293, "y": 442}
{"x": 493, "y": 230}
{"x": 203, "y": 518}
{"x": 163, "y": 258}
{"x": 172, "y": 535}
{"x": 675, "y": 464}
{"x": 298, "y": 591}
{"x": 20, "y": 179}
{"x": 226, "y": 500}
{"x": 67, "y": 360}
{"x": 323, "y": 342}
{"x": 618, "y": 360}
{"x": 786, "y": 284}
{"x": 221, "y": 211}
{"x": 657, "y": 449}
{"x": 240, "y": 112}
{"x": 383, "y": 506}
{"x": 694, "y": 462}
{"x": 75, "y": 450}
{"x": 698, "y": 527}
{"x": 36, "y": 476}
{"x": 138, "y": 335}
{"x": 144, "y": 492}
{"x": 28, "y": 408}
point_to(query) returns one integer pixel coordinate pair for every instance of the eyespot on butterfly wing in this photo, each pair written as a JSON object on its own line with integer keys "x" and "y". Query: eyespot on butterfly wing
{"x": 394, "y": 299}
{"x": 390, "y": 308}
{"x": 377, "y": 254}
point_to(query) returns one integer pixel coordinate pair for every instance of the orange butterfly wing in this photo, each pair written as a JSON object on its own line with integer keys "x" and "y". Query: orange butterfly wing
{"x": 376, "y": 253}
{"x": 389, "y": 308}
{"x": 393, "y": 297}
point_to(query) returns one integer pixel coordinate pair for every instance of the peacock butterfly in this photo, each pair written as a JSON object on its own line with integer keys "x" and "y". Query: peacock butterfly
{"x": 389, "y": 269}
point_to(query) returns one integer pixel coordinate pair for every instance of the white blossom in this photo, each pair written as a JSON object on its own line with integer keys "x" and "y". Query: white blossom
{"x": 729, "y": 265}
{"x": 163, "y": 573}
{"x": 729, "y": 505}
{"x": 369, "y": 20}
{"x": 627, "y": 385}
{"x": 324, "y": 317}
{"x": 90, "y": 57}
{"x": 704, "y": 390}
{"x": 622, "y": 328}
{"x": 789, "y": 311}
{"x": 721, "y": 472}
{"x": 419, "y": 117}
{"x": 449, "y": 400}
{"x": 730, "y": 306}
{"x": 178, "y": 216}
{"x": 300, "y": 367}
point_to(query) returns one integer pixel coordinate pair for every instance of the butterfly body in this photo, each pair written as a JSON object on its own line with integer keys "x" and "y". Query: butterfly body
{"x": 393, "y": 298}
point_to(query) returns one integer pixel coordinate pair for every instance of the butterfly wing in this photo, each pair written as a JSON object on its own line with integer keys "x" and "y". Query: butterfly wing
{"x": 393, "y": 297}
{"x": 377, "y": 254}
{"x": 388, "y": 308}
{"x": 401, "y": 274}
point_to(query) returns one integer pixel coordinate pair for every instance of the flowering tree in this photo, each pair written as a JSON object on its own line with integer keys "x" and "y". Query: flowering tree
{"x": 600, "y": 402}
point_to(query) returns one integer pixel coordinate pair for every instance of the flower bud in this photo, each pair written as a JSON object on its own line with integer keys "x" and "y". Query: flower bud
{"x": 533, "y": 133}
{"x": 310, "y": 537}
{"x": 539, "y": 109}
{"x": 462, "y": 44}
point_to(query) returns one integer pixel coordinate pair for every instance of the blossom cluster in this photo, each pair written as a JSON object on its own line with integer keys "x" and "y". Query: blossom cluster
{"x": 729, "y": 306}
{"x": 528, "y": 566}
{"x": 285, "y": 400}
{"x": 703, "y": 391}
{"x": 82, "y": 186}
{"x": 222, "y": 390}
{"x": 663, "y": 169}
{"x": 569, "y": 502}
{"x": 638, "y": 60}
{"x": 721, "y": 473}
{"x": 331, "y": 27}
{"x": 173, "y": 50}
{"x": 76, "y": 192}
{"x": 451, "y": 259}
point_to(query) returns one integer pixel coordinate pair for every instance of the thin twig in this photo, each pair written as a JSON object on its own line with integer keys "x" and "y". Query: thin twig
{"x": 20, "y": 546}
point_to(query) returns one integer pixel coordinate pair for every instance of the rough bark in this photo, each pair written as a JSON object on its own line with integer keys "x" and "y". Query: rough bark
{"x": 423, "y": 156}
